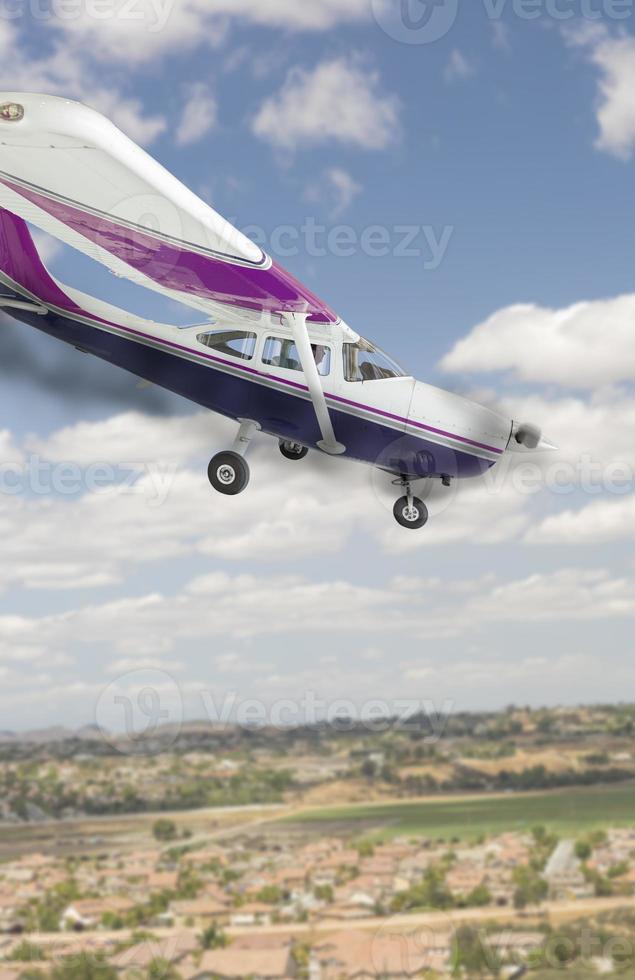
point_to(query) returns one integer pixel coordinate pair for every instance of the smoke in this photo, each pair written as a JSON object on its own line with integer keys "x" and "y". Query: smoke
{"x": 42, "y": 361}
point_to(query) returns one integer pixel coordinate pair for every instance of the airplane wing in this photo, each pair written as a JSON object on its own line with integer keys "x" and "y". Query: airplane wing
{"x": 69, "y": 171}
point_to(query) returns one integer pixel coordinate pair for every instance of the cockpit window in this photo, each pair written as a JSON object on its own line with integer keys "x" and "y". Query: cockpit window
{"x": 280, "y": 352}
{"x": 236, "y": 343}
{"x": 365, "y": 362}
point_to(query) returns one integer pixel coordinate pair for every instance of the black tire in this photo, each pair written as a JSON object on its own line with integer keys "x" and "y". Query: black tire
{"x": 412, "y": 519}
{"x": 293, "y": 450}
{"x": 228, "y": 473}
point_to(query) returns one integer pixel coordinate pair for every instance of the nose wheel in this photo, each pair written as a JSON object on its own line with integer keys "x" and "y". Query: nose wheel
{"x": 410, "y": 511}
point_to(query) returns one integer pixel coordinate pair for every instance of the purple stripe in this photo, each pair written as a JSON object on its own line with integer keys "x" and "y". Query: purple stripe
{"x": 272, "y": 290}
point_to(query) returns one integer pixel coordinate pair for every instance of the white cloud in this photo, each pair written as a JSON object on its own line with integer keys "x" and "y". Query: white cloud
{"x": 598, "y": 523}
{"x": 563, "y": 678}
{"x": 568, "y": 594}
{"x": 245, "y": 607}
{"x": 501, "y": 36}
{"x": 170, "y": 511}
{"x": 199, "y": 115}
{"x": 132, "y": 437}
{"x": 337, "y": 185}
{"x": 339, "y": 100}
{"x": 345, "y": 189}
{"x": 581, "y": 346}
{"x": 614, "y": 56}
{"x": 147, "y": 29}
{"x": 129, "y": 665}
{"x": 70, "y": 71}
{"x": 458, "y": 67}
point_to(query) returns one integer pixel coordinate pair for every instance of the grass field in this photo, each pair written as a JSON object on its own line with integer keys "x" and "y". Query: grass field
{"x": 571, "y": 812}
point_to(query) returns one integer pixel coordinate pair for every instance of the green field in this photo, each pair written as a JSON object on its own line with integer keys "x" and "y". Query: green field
{"x": 571, "y": 812}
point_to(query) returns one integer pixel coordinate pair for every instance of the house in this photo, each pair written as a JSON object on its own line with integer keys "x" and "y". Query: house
{"x": 251, "y": 914}
{"x": 344, "y": 911}
{"x": 464, "y": 878}
{"x": 88, "y": 913}
{"x": 163, "y": 881}
{"x": 236, "y": 964}
{"x": 199, "y": 913}
{"x": 564, "y": 874}
{"x": 140, "y": 956}
{"x": 10, "y": 921}
{"x": 359, "y": 955}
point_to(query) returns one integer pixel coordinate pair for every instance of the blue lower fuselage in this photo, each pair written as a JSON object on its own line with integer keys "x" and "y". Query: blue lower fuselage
{"x": 287, "y": 414}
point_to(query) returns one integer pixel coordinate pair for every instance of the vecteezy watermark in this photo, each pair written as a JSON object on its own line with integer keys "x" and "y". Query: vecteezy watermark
{"x": 562, "y": 477}
{"x": 427, "y": 21}
{"x": 140, "y": 712}
{"x": 340, "y": 714}
{"x": 39, "y": 477}
{"x": 416, "y": 21}
{"x": 151, "y": 16}
{"x": 317, "y": 241}
{"x": 440, "y": 945}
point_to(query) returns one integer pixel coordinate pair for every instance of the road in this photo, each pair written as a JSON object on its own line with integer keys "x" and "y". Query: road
{"x": 556, "y": 913}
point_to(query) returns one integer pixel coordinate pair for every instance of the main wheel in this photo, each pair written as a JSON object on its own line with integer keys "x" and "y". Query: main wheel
{"x": 292, "y": 450}
{"x": 228, "y": 473}
{"x": 411, "y": 516}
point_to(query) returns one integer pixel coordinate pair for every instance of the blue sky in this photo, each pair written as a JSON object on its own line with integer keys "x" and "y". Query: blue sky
{"x": 506, "y": 146}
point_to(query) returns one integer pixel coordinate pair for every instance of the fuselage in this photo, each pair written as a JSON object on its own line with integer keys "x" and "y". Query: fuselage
{"x": 399, "y": 424}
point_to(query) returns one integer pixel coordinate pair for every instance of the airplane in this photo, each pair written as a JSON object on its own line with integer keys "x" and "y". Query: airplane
{"x": 270, "y": 354}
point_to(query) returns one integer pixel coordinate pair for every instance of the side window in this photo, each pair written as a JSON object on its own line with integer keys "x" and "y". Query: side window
{"x": 281, "y": 352}
{"x": 236, "y": 343}
{"x": 365, "y": 362}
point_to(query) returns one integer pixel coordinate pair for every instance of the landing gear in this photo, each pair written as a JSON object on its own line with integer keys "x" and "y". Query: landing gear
{"x": 293, "y": 450}
{"x": 228, "y": 472}
{"x": 410, "y": 511}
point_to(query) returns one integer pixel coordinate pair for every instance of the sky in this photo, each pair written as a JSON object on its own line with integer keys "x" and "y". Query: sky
{"x": 456, "y": 180}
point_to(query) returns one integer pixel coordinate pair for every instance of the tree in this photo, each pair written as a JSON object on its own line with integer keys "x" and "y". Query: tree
{"x": 479, "y": 896}
{"x": 583, "y": 850}
{"x": 324, "y": 893}
{"x": 27, "y": 952}
{"x": 164, "y": 830}
{"x": 531, "y": 889}
{"x": 84, "y": 966}
{"x": 270, "y": 895}
{"x": 161, "y": 969}
{"x": 431, "y": 893}
{"x": 472, "y": 954}
{"x": 213, "y": 938}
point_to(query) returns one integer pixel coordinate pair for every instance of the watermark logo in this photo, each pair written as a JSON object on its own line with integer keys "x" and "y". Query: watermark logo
{"x": 416, "y": 21}
{"x": 140, "y": 713}
{"x": 416, "y": 949}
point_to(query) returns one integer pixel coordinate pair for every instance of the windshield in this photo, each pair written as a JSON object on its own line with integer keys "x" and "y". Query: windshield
{"x": 364, "y": 361}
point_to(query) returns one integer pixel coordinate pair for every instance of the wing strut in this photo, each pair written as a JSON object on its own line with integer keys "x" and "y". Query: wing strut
{"x": 297, "y": 323}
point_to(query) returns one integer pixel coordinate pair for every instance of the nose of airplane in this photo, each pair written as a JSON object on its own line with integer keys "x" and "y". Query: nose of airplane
{"x": 528, "y": 436}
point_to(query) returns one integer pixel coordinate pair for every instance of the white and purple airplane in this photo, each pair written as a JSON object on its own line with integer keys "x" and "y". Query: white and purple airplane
{"x": 270, "y": 354}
